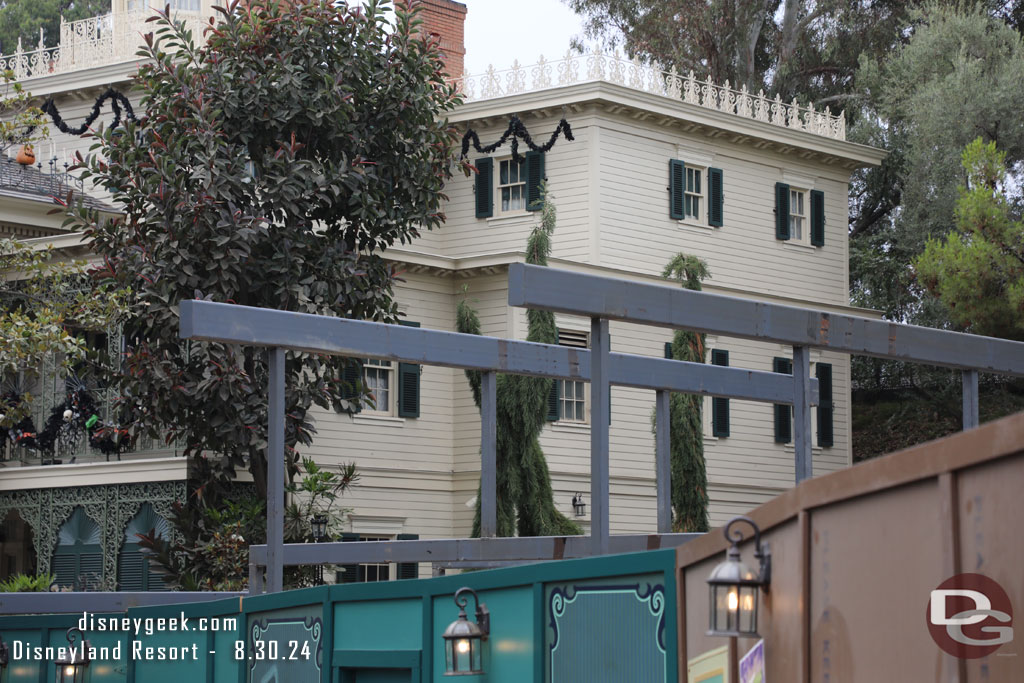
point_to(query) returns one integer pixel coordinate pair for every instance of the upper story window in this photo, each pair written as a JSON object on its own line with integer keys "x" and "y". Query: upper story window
{"x": 696, "y": 194}
{"x": 513, "y": 186}
{"x": 379, "y": 376}
{"x": 799, "y": 215}
{"x": 394, "y": 387}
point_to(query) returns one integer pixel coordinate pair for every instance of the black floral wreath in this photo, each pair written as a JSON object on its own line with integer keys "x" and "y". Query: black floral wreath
{"x": 117, "y": 100}
{"x": 516, "y": 130}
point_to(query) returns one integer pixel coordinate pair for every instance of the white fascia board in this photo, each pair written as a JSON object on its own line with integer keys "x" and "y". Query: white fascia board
{"x": 553, "y": 99}
{"x": 94, "y": 474}
{"x": 100, "y": 77}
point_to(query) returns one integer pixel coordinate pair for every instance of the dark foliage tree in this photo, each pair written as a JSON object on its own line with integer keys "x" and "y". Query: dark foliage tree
{"x": 525, "y": 504}
{"x": 267, "y": 168}
{"x": 689, "y": 489}
{"x": 24, "y": 19}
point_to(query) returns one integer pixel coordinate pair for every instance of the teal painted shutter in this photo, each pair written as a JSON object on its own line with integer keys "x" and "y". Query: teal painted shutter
{"x": 409, "y": 385}
{"x": 64, "y": 566}
{"x": 817, "y": 218}
{"x": 781, "y": 211}
{"x": 668, "y": 350}
{"x": 484, "y": 187}
{"x": 553, "y": 402}
{"x": 676, "y": 187}
{"x": 131, "y": 569}
{"x": 534, "y": 176}
{"x": 715, "y": 197}
{"x": 720, "y": 406}
{"x": 90, "y": 568}
{"x": 408, "y": 570}
{"x": 352, "y": 376}
{"x": 783, "y": 413}
{"x": 350, "y": 572}
{"x": 823, "y": 371}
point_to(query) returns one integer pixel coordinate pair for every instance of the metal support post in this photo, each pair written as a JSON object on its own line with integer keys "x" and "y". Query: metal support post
{"x": 600, "y": 414}
{"x": 275, "y": 473}
{"x": 662, "y": 462}
{"x": 802, "y": 412}
{"x": 488, "y": 454}
{"x": 970, "y": 381}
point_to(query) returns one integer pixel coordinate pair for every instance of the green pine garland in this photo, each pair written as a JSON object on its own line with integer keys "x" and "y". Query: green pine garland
{"x": 525, "y": 502}
{"x": 689, "y": 477}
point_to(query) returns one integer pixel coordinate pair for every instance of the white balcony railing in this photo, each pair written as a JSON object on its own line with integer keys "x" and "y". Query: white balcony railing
{"x": 597, "y": 66}
{"x": 93, "y": 42}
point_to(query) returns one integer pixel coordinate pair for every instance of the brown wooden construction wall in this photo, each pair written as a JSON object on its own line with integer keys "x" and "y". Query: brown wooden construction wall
{"x": 856, "y": 554}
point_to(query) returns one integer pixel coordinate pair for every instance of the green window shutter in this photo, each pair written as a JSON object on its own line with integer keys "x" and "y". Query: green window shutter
{"x": 823, "y": 371}
{"x": 817, "y": 218}
{"x": 90, "y": 568}
{"x": 553, "y": 402}
{"x": 131, "y": 569}
{"x": 668, "y": 350}
{"x": 409, "y": 385}
{"x": 715, "y": 197}
{"x": 350, "y": 572}
{"x": 534, "y": 176}
{"x": 484, "y": 187}
{"x": 676, "y": 188}
{"x": 352, "y": 376}
{"x": 781, "y": 211}
{"x": 64, "y": 566}
{"x": 408, "y": 570}
{"x": 783, "y": 413}
{"x": 720, "y": 406}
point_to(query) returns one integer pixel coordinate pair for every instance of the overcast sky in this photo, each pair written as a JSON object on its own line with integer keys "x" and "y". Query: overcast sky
{"x": 499, "y": 31}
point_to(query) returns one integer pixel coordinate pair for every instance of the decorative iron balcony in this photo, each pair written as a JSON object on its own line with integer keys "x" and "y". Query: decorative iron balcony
{"x": 94, "y": 42}
{"x": 597, "y": 66}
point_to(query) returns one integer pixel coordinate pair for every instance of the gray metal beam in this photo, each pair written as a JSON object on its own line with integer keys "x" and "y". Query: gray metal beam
{"x": 465, "y": 549}
{"x": 970, "y": 399}
{"x": 318, "y": 334}
{"x": 275, "y": 472}
{"x": 99, "y": 602}
{"x": 551, "y": 289}
{"x": 488, "y": 454}
{"x": 802, "y": 463}
{"x": 600, "y": 419}
{"x": 662, "y": 461}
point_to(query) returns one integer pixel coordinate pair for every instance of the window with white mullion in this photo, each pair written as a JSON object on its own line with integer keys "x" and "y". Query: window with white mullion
{"x": 798, "y": 224}
{"x": 375, "y": 571}
{"x": 693, "y": 193}
{"x": 512, "y": 186}
{"x": 572, "y": 394}
{"x": 378, "y": 375}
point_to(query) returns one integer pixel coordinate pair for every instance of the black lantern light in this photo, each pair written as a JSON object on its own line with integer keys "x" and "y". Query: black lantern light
{"x": 578, "y": 505}
{"x": 734, "y": 587}
{"x": 463, "y": 639}
{"x": 319, "y": 525}
{"x": 71, "y": 667}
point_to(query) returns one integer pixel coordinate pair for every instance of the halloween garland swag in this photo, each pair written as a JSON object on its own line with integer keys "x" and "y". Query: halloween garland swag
{"x": 117, "y": 101}
{"x": 515, "y": 130}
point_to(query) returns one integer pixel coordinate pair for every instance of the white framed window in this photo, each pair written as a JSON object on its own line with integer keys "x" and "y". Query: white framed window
{"x": 375, "y": 571}
{"x": 573, "y": 395}
{"x": 799, "y": 224}
{"x": 379, "y": 378}
{"x": 694, "y": 195}
{"x": 511, "y": 186}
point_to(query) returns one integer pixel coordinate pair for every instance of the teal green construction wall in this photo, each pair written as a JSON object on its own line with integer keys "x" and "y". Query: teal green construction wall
{"x": 593, "y": 620}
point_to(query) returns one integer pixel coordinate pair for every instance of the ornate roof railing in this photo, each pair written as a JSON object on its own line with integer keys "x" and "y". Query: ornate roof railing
{"x": 97, "y": 41}
{"x": 597, "y": 66}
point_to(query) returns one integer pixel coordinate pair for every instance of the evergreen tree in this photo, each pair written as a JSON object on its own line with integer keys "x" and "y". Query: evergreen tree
{"x": 525, "y": 502}
{"x": 689, "y": 476}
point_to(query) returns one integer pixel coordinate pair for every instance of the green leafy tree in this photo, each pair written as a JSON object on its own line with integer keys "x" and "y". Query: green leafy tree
{"x": 689, "y": 489}
{"x": 268, "y": 168}
{"x": 525, "y": 504}
{"x": 21, "y": 123}
{"x": 978, "y": 270}
{"x": 43, "y": 311}
{"x": 24, "y": 19}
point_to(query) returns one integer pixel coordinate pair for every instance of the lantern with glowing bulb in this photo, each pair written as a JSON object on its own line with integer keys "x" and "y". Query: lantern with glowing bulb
{"x": 72, "y": 665}
{"x": 463, "y": 639}
{"x": 735, "y": 588}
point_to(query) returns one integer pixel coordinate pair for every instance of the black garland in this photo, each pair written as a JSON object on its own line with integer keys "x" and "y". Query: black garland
{"x": 24, "y": 432}
{"x": 117, "y": 100}
{"x": 517, "y": 130}
{"x": 78, "y": 414}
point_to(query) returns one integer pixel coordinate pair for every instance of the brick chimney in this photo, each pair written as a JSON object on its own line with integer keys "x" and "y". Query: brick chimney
{"x": 446, "y": 19}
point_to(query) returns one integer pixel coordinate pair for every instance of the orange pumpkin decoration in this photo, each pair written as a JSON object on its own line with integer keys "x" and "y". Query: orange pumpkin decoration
{"x": 26, "y": 155}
